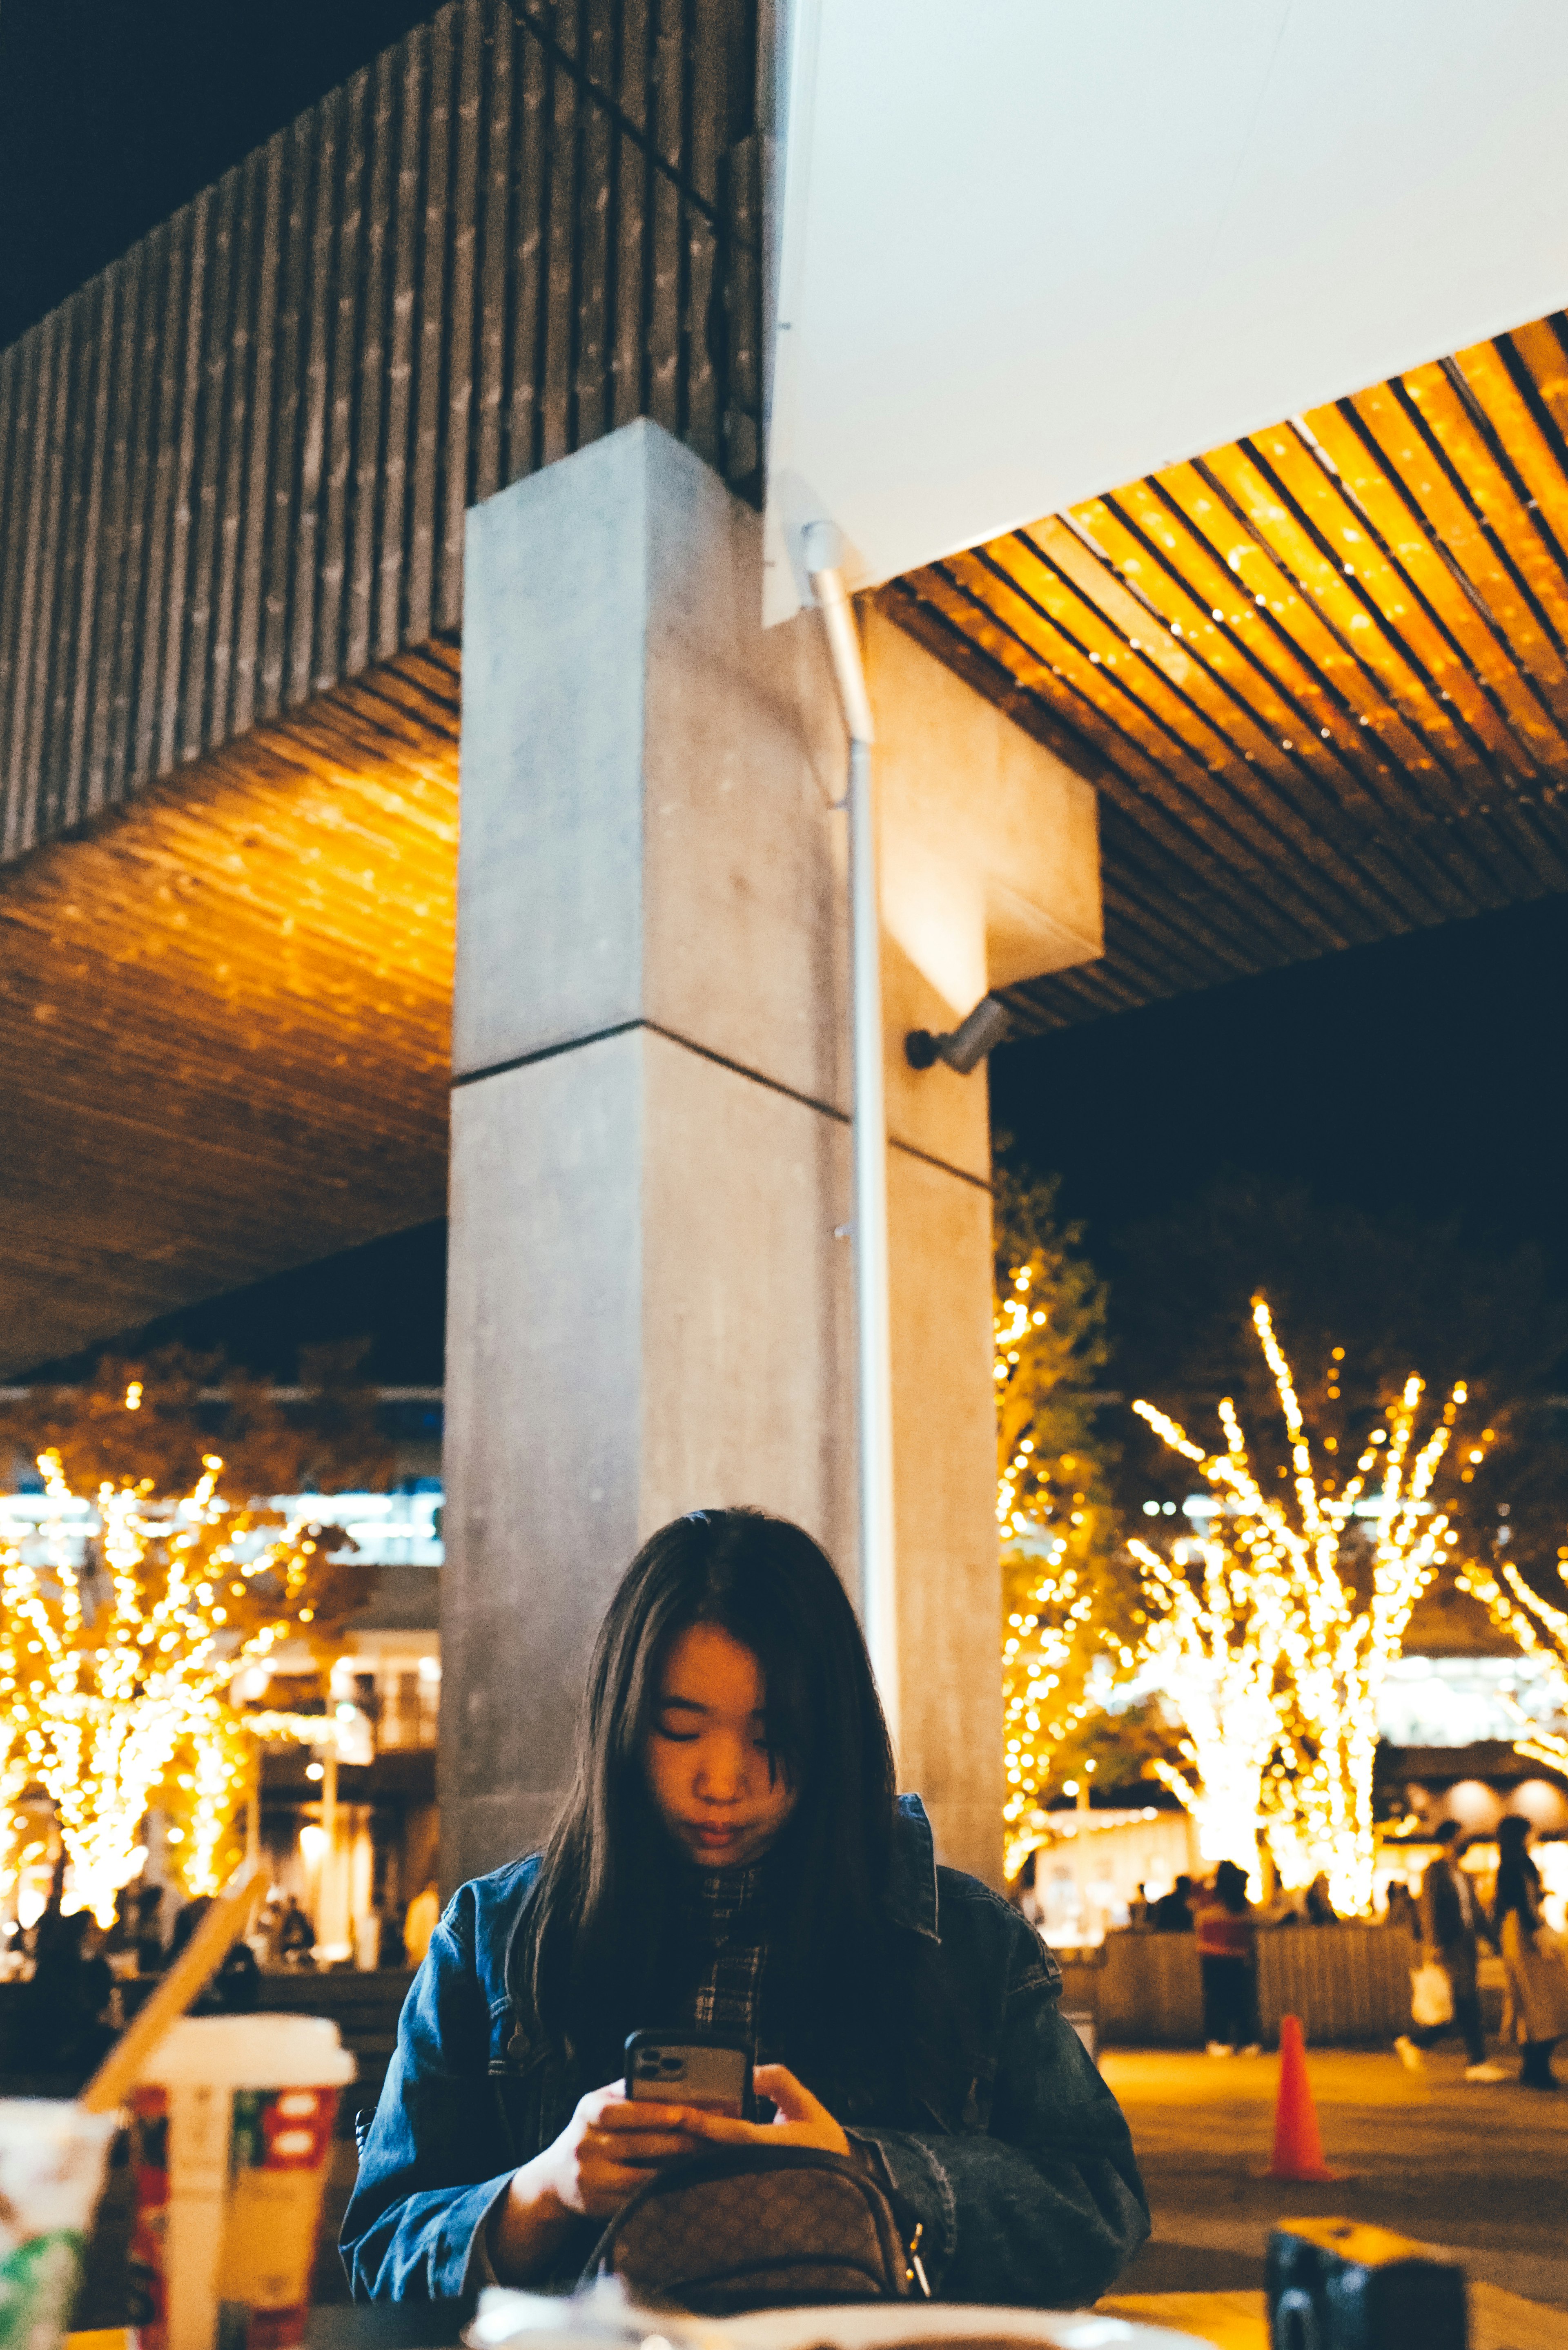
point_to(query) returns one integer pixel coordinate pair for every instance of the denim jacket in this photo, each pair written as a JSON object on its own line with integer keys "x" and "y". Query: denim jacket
{"x": 1028, "y": 2194}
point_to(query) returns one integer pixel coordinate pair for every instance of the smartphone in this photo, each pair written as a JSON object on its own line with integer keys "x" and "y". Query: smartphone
{"x": 686, "y": 2068}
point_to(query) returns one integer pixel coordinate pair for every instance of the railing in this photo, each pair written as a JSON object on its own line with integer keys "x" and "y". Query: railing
{"x": 1350, "y": 1985}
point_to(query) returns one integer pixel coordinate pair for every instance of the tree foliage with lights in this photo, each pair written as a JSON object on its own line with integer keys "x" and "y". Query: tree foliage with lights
{"x": 119, "y": 1660}
{"x": 115, "y": 1672}
{"x": 1302, "y": 1611}
{"x": 1066, "y": 1588}
{"x": 319, "y": 1437}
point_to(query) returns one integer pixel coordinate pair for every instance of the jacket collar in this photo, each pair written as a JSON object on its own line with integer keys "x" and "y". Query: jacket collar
{"x": 914, "y": 1886}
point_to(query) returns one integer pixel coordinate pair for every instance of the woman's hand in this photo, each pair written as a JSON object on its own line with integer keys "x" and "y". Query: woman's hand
{"x": 605, "y": 2154}
{"x": 609, "y": 2146}
{"x": 801, "y": 2120}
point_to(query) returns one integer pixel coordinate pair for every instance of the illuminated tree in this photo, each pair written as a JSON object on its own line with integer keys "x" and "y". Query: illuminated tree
{"x": 1215, "y": 1647}
{"x": 1066, "y": 1588}
{"x": 1362, "y": 1297}
{"x": 113, "y": 1667}
{"x": 1336, "y": 1585}
{"x": 214, "y": 1771}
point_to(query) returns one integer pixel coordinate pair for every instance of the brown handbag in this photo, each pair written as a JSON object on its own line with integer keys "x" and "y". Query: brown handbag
{"x": 745, "y": 2228}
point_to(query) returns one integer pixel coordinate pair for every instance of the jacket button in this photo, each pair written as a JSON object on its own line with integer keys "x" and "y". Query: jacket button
{"x": 517, "y": 2047}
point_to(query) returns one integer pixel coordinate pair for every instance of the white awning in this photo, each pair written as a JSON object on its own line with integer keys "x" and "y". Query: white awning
{"x": 1033, "y": 248}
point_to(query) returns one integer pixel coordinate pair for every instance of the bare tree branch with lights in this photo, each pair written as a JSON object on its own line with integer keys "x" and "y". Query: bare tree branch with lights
{"x": 1541, "y": 1631}
{"x": 1334, "y": 1587}
{"x": 1215, "y": 1647}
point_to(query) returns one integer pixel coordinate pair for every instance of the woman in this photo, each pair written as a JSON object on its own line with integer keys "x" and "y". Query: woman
{"x": 1226, "y": 1929}
{"x": 1537, "y": 1978}
{"x": 731, "y": 1856}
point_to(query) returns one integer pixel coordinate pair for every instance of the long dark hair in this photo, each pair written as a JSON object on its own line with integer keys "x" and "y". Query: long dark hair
{"x": 1518, "y": 1878}
{"x": 591, "y": 1942}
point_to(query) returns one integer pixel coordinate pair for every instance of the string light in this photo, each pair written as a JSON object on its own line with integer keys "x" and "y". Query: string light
{"x": 1215, "y": 1649}
{"x": 113, "y": 1696}
{"x": 1058, "y": 1642}
{"x": 1278, "y": 1618}
{"x": 1540, "y": 1630}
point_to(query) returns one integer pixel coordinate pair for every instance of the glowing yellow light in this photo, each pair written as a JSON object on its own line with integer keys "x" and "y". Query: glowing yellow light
{"x": 1274, "y": 1635}
{"x": 1541, "y": 1631}
{"x": 103, "y": 1710}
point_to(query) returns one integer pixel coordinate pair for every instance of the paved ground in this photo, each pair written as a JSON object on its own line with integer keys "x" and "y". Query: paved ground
{"x": 1482, "y": 2170}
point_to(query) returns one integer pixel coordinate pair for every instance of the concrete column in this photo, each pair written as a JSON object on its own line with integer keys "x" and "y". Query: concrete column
{"x": 989, "y": 875}
{"x": 648, "y": 1307}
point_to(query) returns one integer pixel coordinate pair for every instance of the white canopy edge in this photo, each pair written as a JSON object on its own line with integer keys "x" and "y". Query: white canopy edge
{"x": 1031, "y": 249}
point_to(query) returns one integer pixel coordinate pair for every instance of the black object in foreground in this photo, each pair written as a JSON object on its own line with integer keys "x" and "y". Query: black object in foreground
{"x": 1333, "y": 2284}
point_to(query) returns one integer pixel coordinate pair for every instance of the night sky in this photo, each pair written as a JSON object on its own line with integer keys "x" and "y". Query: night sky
{"x": 1425, "y": 1076}
{"x": 115, "y": 112}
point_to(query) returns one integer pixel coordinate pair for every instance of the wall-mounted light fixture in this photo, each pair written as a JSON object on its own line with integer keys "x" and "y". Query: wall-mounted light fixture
{"x": 964, "y": 1048}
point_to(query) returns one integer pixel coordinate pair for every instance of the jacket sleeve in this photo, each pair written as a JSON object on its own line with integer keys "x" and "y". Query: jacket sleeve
{"x": 436, "y": 2162}
{"x": 1044, "y": 2207}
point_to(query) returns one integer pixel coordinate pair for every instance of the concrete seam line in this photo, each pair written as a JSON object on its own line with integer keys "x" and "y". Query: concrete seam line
{"x": 546, "y": 1053}
{"x": 671, "y": 1036}
{"x": 720, "y": 1060}
{"x": 942, "y": 1166}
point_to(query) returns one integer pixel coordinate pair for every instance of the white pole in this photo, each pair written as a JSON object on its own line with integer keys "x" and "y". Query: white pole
{"x": 877, "y": 1585}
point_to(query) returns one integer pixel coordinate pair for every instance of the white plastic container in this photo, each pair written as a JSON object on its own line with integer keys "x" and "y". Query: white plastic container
{"x": 234, "y": 2124}
{"x": 52, "y": 2160}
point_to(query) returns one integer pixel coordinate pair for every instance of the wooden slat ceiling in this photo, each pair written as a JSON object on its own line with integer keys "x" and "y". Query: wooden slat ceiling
{"x": 225, "y": 1017}
{"x": 1320, "y": 676}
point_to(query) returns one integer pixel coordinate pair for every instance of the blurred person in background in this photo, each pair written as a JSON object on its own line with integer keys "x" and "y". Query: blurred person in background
{"x": 1537, "y": 2014}
{"x": 1226, "y": 1931}
{"x": 1172, "y": 1913}
{"x": 1318, "y": 1909}
{"x": 1402, "y": 1912}
{"x": 295, "y": 1939}
{"x": 68, "y": 2031}
{"x": 149, "y": 1929}
{"x": 235, "y": 1987}
{"x": 1450, "y": 1922}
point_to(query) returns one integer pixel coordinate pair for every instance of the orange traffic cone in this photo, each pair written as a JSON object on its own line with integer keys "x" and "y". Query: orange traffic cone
{"x": 1298, "y": 2149}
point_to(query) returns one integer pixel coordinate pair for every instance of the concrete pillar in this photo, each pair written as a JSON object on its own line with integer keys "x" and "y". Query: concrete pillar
{"x": 989, "y": 874}
{"x": 650, "y": 1308}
